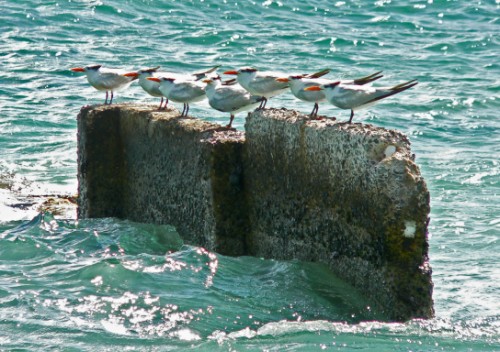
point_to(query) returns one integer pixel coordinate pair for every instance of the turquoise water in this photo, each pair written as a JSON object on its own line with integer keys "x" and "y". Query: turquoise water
{"x": 106, "y": 284}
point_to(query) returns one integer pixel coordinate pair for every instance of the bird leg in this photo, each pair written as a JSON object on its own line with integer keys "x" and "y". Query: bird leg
{"x": 263, "y": 103}
{"x": 314, "y": 112}
{"x": 161, "y": 102}
{"x": 106, "y": 101}
{"x": 352, "y": 115}
{"x": 230, "y": 121}
{"x": 111, "y": 100}
{"x": 185, "y": 110}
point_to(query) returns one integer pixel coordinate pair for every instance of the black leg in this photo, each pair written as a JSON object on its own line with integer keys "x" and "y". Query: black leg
{"x": 230, "y": 121}
{"x": 352, "y": 115}
{"x": 106, "y": 101}
{"x": 264, "y": 102}
{"x": 183, "y": 109}
{"x": 314, "y": 112}
{"x": 161, "y": 102}
{"x": 111, "y": 100}
{"x": 187, "y": 110}
{"x": 166, "y": 102}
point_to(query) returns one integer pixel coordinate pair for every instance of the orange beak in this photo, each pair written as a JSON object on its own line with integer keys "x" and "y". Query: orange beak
{"x": 155, "y": 79}
{"x": 282, "y": 80}
{"x": 131, "y": 74}
{"x": 313, "y": 88}
{"x": 207, "y": 80}
{"x": 77, "y": 69}
{"x": 231, "y": 72}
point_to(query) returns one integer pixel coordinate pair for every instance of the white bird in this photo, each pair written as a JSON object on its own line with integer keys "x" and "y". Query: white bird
{"x": 354, "y": 97}
{"x": 298, "y": 83}
{"x": 262, "y": 84}
{"x": 105, "y": 79}
{"x": 229, "y": 98}
{"x": 180, "y": 90}
{"x": 153, "y": 87}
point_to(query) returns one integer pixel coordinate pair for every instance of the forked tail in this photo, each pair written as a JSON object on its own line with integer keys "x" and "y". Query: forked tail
{"x": 368, "y": 79}
{"x": 395, "y": 90}
{"x": 151, "y": 70}
{"x": 318, "y": 74}
{"x": 202, "y": 74}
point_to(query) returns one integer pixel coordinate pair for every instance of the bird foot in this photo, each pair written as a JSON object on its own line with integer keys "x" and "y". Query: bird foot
{"x": 317, "y": 118}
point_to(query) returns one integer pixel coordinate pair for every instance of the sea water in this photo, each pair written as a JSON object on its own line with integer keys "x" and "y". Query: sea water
{"x": 109, "y": 284}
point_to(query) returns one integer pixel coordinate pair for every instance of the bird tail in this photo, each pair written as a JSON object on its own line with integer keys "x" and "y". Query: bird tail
{"x": 368, "y": 79}
{"x": 318, "y": 74}
{"x": 202, "y": 74}
{"x": 210, "y": 70}
{"x": 404, "y": 86}
{"x": 395, "y": 90}
{"x": 229, "y": 82}
{"x": 151, "y": 70}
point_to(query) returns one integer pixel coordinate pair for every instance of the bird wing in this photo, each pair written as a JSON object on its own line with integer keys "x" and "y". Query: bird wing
{"x": 267, "y": 83}
{"x": 186, "y": 91}
{"x": 347, "y": 96}
{"x": 356, "y": 96}
{"x": 110, "y": 80}
{"x": 230, "y": 98}
{"x": 151, "y": 87}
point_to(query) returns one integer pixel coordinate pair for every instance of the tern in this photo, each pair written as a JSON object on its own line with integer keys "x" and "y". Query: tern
{"x": 153, "y": 87}
{"x": 354, "y": 97}
{"x": 106, "y": 79}
{"x": 298, "y": 83}
{"x": 262, "y": 84}
{"x": 229, "y": 98}
{"x": 180, "y": 90}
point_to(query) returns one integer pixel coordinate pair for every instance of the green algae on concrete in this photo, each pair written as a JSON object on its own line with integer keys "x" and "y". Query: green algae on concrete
{"x": 348, "y": 195}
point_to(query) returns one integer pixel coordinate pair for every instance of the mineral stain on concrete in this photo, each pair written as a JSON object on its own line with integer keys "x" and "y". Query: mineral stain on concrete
{"x": 347, "y": 195}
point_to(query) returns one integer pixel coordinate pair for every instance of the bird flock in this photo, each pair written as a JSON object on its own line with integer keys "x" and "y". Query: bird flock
{"x": 251, "y": 88}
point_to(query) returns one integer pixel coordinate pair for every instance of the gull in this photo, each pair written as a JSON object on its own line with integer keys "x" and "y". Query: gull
{"x": 229, "y": 98}
{"x": 262, "y": 84}
{"x": 180, "y": 90}
{"x": 354, "y": 97}
{"x": 153, "y": 87}
{"x": 106, "y": 79}
{"x": 298, "y": 83}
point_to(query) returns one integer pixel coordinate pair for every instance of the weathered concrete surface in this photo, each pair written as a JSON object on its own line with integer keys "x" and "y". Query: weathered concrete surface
{"x": 346, "y": 195}
{"x": 150, "y": 166}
